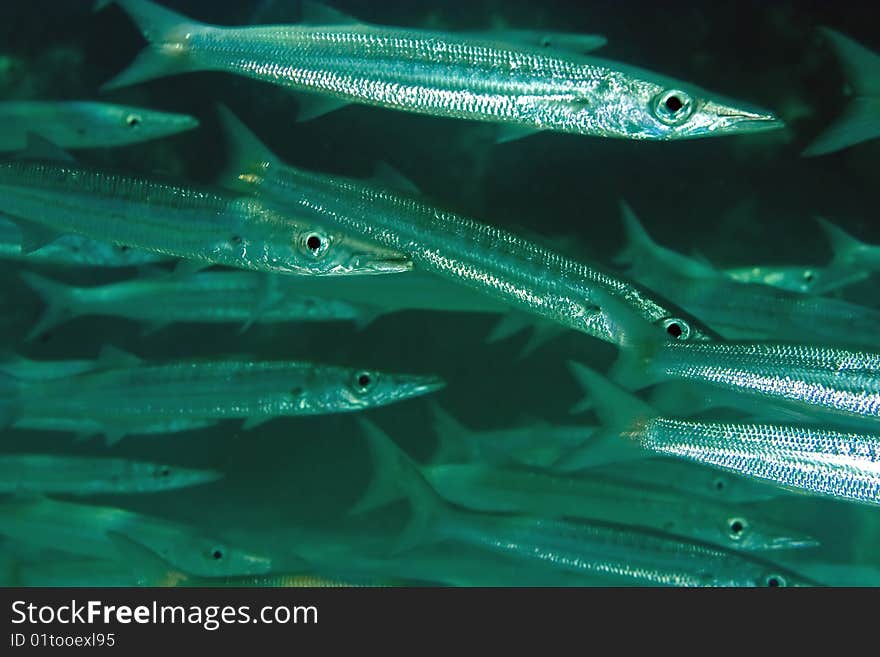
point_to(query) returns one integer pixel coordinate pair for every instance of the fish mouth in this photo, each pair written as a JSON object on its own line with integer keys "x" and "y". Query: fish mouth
{"x": 425, "y": 385}
{"x": 743, "y": 120}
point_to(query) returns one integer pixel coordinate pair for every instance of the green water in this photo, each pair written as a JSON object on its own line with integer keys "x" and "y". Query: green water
{"x": 738, "y": 201}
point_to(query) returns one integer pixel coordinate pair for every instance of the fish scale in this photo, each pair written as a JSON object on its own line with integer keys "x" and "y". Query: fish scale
{"x": 509, "y": 268}
{"x": 441, "y": 74}
{"x": 141, "y": 394}
{"x": 824, "y": 379}
{"x": 208, "y": 226}
{"x": 840, "y": 464}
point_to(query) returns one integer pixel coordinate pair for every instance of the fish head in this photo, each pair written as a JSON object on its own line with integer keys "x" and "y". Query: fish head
{"x": 329, "y": 252}
{"x": 361, "y": 389}
{"x": 208, "y": 556}
{"x": 757, "y": 533}
{"x": 141, "y": 124}
{"x": 635, "y": 104}
{"x": 160, "y": 476}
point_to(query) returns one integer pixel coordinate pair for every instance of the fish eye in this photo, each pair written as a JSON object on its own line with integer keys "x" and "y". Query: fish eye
{"x": 133, "y": 120}
{"x": 737, "y": 528}
{"x": 217, "y": 553}
{"x": 677, "y": 328}
{"x": 673, "y": 107}
{"x": 719, "y": 485}
{"x": 314, "y": 244}
{"x": 164, "y": 471}
{"x": 808, "y": 276}
{"x": 775, "y": 581}
{"x": 363, "y": 381}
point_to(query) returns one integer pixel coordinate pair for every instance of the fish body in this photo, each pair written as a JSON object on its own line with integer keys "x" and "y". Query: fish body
{"x": 442, "y": 74}
{"x": 743, "y": 311}
{"x": 82, "y": 529}
{"x": 73, "y": 475}
{"x": 535, "y": 443}
{"x": 72, "y": 250}
{"x": 816, "y": 379}
{"x": 511, "y": 269}
{"x": 82, "y": 124}
{"x": 48, "y": 198}
{"x": 137, "y": 393}
{"x": 807, "y": 458}
{"x": 816, "y": 460}
{"x": 535, "y": 492}
{"x": 799, "y": 279}
{"x": 242, "y": 298}
{"x": 617, "y": 552}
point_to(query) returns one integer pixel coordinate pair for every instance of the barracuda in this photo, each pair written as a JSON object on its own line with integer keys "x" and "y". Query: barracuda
{"x": 77, "y": 475}
{"x": 481, "y": 487}
{"x": 243, "y": 298}
{"x": 744, "y": 311}
{"x": 49, "y": 198}
{"x": 150, "y": 569}
{"x": 513, "y": 270}
{"x": 443, "y": 74}
{"x": 535, "y": 443}
{"x": 127, "y": 391}
{"x": 82, "y": 529}
{"x": 73, "y": 124}
{"x": 74, "y": 250}
{"x": 618, "y": 552}
{"x": 812, "y": 459}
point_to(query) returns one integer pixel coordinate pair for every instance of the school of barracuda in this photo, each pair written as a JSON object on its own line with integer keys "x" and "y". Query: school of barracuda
{"x": 733, "y": 389}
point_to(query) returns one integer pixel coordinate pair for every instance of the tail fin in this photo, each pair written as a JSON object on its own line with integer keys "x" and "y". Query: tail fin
{"x": 453, "y": 438}
{"x": 148, "y": 567}
{"x": 167, "y": 52}
{"x": 637, "y": 239}
{"x": 59, "y": 300}
{"x": 861, "y": 119}
{"x": 246, "y": 155}
{"x": 397, "y": 476}
{"x": 619, "y": 412}
{"x": 638, "y": 339}
{"x": 843, "y": 245}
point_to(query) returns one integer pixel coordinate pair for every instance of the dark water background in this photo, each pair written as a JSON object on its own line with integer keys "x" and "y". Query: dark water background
{"x": 740, "y": 201}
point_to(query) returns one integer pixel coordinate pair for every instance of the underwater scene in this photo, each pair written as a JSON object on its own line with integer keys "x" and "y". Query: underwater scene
{"x": 439, "y": 293}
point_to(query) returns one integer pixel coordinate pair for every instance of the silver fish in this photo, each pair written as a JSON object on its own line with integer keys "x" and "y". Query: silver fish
{"x": 795, "y": 278}
{"x": 808, "y": 458}
{"x": 79, "y": 475}
{"x": 81, "y": 124}
{"x": 618, "y": 552}
{"x": 48, "y": 198}
{"x": 536, "y": 443}
{"x": 82, "y": 529}
{"x": 513, "y": 270}
{"x": 130, "y": 391}
{"x": 741, "y": 311}
{"x": 442, "y": 74}
{"x": 74, "y": 250}
{"x": 482, "y": 487}
{"x": 242, "y": 298}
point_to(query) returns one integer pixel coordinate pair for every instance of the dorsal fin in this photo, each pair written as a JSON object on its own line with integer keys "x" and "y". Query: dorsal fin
{"x": 111, "y": 356}
{"x": 862, "y": 66}
{"x": 247, "y": 153}
{"x": 387, "y": 176}
{"x": 40, "y": 148}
